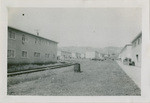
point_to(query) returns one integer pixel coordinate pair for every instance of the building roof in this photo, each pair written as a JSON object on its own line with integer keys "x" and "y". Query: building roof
{"x": 125, "y": 47}
{"x": 32, "y": 34}
{"x": 64, "y": 51}
{"x": 140, "y": 34}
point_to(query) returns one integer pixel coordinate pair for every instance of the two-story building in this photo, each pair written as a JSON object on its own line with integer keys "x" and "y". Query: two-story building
{"x": 83, "y": 55}
{"x": 132, "y": 51}
{"x": 92, "y": 55}
{"x": 78, "y": 55}
{"x": 136, "y": 49}
{"x": 24, "y": 47}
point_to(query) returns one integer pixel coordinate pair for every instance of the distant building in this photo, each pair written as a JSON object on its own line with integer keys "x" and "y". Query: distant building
{"x": 73, "y": 55}
{"x": 78, "y": 55}
{"x": 101, "y": 56}
{"x": 64, "y": 55}
{"x": 59, "y": 57}
{"x": 82, "y": 55}
{"x": 132, "y": 52}
{"x": 136, "y": 49}
{"x": 114, "y": 56}
{"x": 92, "y": 55}
{"x": 24, "y": 47}
{"x": 125, "y": 52}
{"x": 97, "y": 55}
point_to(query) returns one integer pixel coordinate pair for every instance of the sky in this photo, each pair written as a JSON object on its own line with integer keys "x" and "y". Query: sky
{"x": 88, "y": 27}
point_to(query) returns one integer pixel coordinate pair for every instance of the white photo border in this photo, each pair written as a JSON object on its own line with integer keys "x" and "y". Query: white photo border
{"x": 145, "y": 68}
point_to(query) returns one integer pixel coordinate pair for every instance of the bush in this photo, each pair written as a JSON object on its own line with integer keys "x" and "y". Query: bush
{"x": 25, "y": 66}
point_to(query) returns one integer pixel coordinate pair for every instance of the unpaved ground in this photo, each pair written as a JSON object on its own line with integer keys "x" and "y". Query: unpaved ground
{"x": 96, "y": 79}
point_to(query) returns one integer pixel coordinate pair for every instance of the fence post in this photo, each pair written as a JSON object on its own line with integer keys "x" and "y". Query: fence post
{"x": 77, "y": 67}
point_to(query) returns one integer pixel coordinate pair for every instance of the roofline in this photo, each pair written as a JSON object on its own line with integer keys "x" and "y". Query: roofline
{"x": 32, "y": 34}
{"x": 125, "y": 47}
{"x": 136, "y": 37}
{"x": 64, "y": 51}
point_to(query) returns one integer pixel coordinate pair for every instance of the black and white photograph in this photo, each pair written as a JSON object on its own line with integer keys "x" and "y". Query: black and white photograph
{"x": 74, "y": 51}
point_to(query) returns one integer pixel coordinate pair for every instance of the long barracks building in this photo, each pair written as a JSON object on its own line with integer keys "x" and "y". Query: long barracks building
{"x": 133, "y": 51}
{"x": 24, "y": 47}
{"x": 136, "y": 49}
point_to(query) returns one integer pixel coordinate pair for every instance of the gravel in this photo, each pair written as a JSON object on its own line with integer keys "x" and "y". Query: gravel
{"x": 98, "y": 78}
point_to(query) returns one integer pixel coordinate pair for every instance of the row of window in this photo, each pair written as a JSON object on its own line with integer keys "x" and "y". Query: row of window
{"x": 11, "y": 54}
{"x": 12, "y": 35}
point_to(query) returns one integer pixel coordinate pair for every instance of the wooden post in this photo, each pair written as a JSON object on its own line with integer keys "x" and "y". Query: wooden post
{"x": 77, "y": 67}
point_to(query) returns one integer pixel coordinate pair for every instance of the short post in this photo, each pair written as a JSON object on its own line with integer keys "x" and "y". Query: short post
{"x": 77, "y": 67}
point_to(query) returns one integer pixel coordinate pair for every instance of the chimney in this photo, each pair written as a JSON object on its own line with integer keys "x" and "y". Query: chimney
{"x": 38, "y": 33}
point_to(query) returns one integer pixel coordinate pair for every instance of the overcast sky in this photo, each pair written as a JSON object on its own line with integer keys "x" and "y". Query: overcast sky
{"x": 95, "y": 27}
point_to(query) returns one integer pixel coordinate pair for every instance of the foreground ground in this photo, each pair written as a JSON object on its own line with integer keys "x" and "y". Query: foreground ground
{"x": 98, "y": 78}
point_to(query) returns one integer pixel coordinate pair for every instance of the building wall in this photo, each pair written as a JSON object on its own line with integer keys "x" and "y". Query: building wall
{"x": 97, "y": 55}
{"x": 100, "y": 56}
{"x": 82, "y": 55}
{"x": 78, "y": 55}
{"x": 59, "y": 55}
{"x": 31, "y": 44}
{"x": 64, "y": 55}
{"x": 73, "y": 55}
{"x": 126, "y": 53}
{"x": 136, "y": 51}
{"x": 90, "y": 55}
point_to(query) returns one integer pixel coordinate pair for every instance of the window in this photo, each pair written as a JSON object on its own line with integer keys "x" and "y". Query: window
{"x": 47, "y": 55}
{"x": 11, "y": 35}
{"x": 24, "y": 54}
{"x": 39, "y": 41}
{"x": 53, "y": 55}
{"x": 36, "y": 54}
{"x": 11, "y": 54}
{"x": 24, "y": 39}
{"x": 35, "y": 40}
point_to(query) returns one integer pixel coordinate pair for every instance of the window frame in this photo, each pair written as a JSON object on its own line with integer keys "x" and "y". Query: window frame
{"x": 26, "y": 54}
{"x": 10, "y": 33}
{"x": 25, "y": 39}
{"x": 8, "y": 52}
{"x": 47, "y": 55}
{"x": 36, "y": 54}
